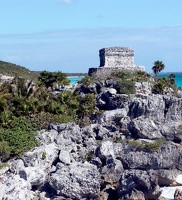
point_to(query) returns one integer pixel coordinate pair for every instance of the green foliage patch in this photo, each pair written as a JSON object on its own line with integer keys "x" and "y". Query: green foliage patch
{"x": 147, "y": 147}
{"x": 17, "y": 138}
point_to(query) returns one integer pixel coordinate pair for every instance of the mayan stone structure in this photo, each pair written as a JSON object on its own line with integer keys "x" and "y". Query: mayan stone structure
{"x": 116, "y": 58}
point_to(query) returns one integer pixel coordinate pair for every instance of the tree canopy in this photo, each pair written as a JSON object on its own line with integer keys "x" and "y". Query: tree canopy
{"x": 50, "y": 79}
{"x": 158, "y": 67}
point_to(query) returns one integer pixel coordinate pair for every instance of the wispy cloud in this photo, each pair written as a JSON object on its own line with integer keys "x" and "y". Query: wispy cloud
{"x": 64, "y": 1}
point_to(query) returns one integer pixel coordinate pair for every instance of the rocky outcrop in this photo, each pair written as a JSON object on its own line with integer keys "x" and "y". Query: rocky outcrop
{"x": 131, "y": 151}
{"x": 90, "y": 163}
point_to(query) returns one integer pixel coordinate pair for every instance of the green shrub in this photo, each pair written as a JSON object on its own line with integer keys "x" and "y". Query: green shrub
{"x": 147, "y": 147}
{"x": 86, "y": 81}
{"x": 90, "y": 155}
{"x": 3, "y": 164}
{"x": 126, "y": 87}
{"x": 158, "y": 88}
{"x": 5, "y": 150}
{"x": 43, "y": 155}
{"x": 86, "y": 105}
{"x": 135, "y": 145}
{"x": 153, "y": 146}
{"x": 20, "y": 137}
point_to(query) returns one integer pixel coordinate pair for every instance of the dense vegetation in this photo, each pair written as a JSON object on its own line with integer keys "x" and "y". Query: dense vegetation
{"x": 25, "y": 108}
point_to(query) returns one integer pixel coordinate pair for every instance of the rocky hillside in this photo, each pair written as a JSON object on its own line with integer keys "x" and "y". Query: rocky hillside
{"x": 130, "y": 151}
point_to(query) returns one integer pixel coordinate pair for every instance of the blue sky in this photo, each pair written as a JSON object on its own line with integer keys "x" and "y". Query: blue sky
{"x": 66, "y": 35}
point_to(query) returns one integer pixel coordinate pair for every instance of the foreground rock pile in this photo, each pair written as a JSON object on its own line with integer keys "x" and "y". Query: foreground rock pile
{"x": 131, "y": 151}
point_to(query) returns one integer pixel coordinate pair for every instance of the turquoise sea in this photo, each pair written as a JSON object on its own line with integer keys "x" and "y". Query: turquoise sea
{"x": 177, "y": 74}
{"x": 74, "y": 79}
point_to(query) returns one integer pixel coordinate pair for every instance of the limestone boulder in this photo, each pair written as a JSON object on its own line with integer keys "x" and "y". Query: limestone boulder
{"x": 15, "y": 187}
{"x": 168, "y": 156}
{"x": 42, "y": 156}
{"x": 105, "y": 150}
{"x": 143, "y": 87}
{"x": 111, "y": 171}
{"x": 113, "y": 117}
{"x": 141, "y": 180}
{"x": 33, "y": 175}
{"x": 144, "y": 128}
{"x": 76, "y": 181}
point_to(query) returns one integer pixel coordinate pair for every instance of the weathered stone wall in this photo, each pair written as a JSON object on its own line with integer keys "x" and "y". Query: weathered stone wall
{"x": 116, "y": 57}
{"x": 109, "y": 70}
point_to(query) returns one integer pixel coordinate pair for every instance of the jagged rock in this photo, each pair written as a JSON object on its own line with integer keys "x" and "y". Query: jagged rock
{"x": 179, "y": 92}
{"x": 167, "y": 157}
{"x": 16, "y": 166}
{"x": 15, "y": 187}
{"x": 35, "y": 176}
{"x": 147, "y": 106}
{"x": 106, "y": 149}
{"x": 145, "y": 181}
{"x": 108, "y": 99}
{"x": 110, "y": 83}
{"x": 77, "y": 181}
{"x": 178, "y": 194}
{"x": 144, "y": 128}
{"x": 116, "y": 101}
{"x": 143, "y": 87}
{"x": 112, "y": 117}
{"x": 112, "y": 171}
{"x": 42, "y": 156}
{"x": 134, "y": 195}
{"x": 64, "y": 157}
{"x": 47, "y": 137}
{"x": 96, "y": 161}
{"x": 167, "y": 177}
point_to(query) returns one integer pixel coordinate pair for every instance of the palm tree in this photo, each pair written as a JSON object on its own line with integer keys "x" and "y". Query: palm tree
{"x": 158, "y": 67}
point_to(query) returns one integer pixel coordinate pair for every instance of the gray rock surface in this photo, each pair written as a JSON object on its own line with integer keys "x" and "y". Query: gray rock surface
{"x": 129, "y": 152}
{"x": 76, "y": 181}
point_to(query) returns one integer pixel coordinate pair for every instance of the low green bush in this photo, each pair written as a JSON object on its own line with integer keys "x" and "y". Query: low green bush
{"x": 147, "y": 147}
{"x": 5, "y": 150}
{"x": 126, "y": 87}
{"x": 18, "y": 138}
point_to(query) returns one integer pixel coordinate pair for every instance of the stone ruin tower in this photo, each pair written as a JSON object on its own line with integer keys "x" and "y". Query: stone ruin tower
{"x": 116, "y": 58}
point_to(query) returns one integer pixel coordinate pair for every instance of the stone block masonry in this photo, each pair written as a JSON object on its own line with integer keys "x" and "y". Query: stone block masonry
{"x": 117, "y": 59}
